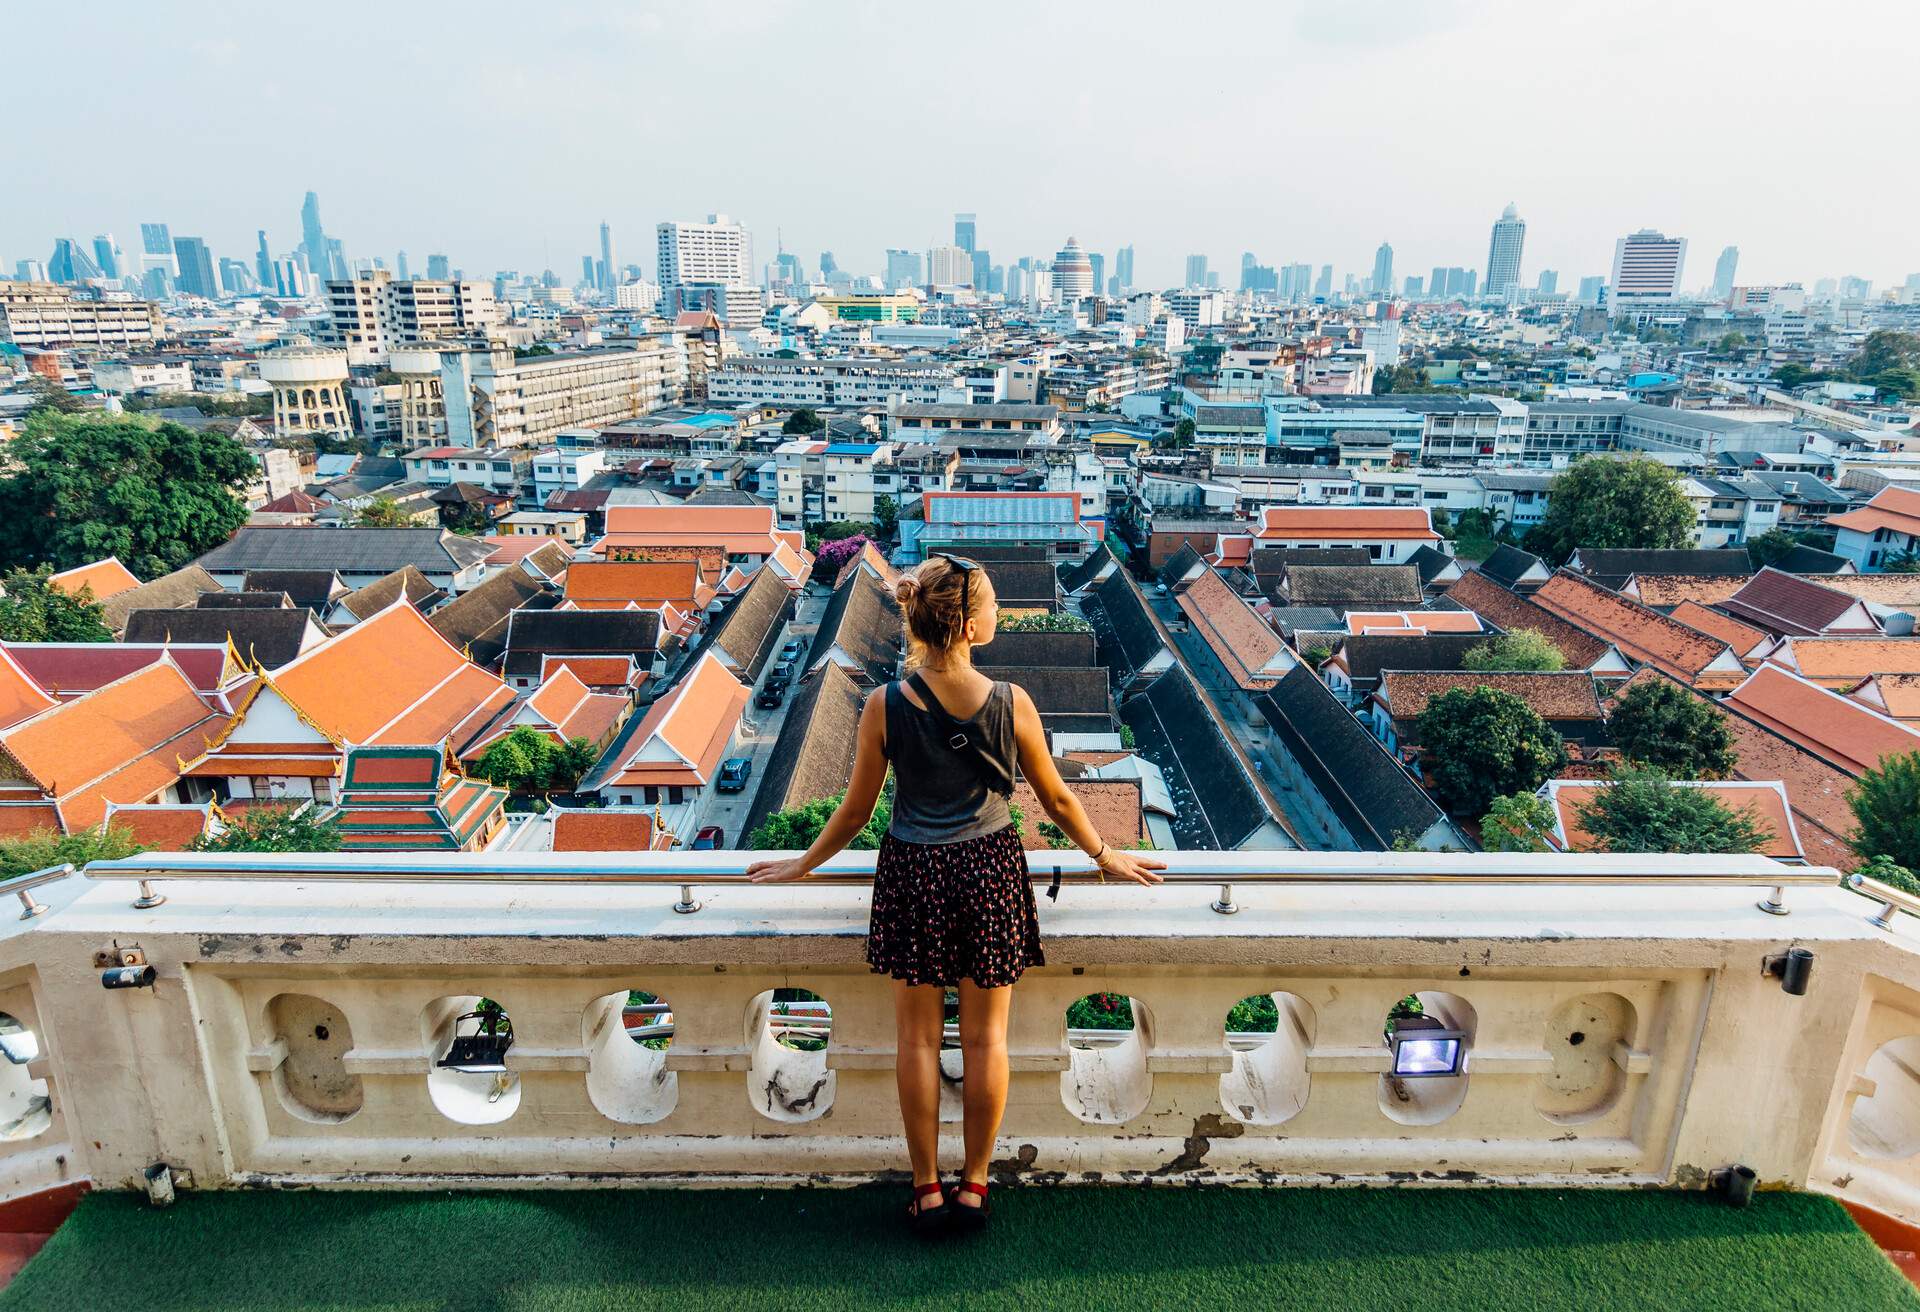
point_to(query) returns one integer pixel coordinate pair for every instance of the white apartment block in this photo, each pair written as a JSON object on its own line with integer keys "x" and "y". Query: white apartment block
{"x": 637, "y": 295}
{"x": 492, "y": 399}
{"x": 374, "y": 313}
{"x": 143, "y": 373}
{"x": 717, "y": 251}
{"x": 555, "y": 470}
{"x": 812, "y": 383}
{"x": 1197, "y": 310}
{"x": 1647, "y": 266}
{"x": 854, "y": 476}
{"x": 43, "y": 315}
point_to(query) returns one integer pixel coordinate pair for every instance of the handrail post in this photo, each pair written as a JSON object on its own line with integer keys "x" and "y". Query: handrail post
{"x": 686, "y": 906}
{"x": 31, "y": 906}
{"x": 1775, "y": 903}
{"x": 1224, "y": 903}
{"x": 148, "y": 899}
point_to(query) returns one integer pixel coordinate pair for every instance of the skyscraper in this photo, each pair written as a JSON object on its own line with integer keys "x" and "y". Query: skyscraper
{"x": 1099, "y": 263}
{"x": 903, "y": 269}
{"x": 156, "y": 240}
{"x": 963, "y": 233}
{"x": 1549, "y": 282}
{"x": 1123, "y": 266}
{"x": 1382, "y": 284}
{"x": 1647, "y": 266}
{"x": 1196, "y": 271}
{"x": 1724, "y": 270}
{"x": 949, "y": 266}
{"x": 1503, "y": 252}
{"x": 106, "y": 254}
{"x": 1592, "y": 291}
{"x": 609, "y": 275}
{"x": 438, "y": 267}
{"x": 716, "y": 251}
{"x": 263, "y": 262}
{"x": 1072, "y": 273}
{"x": 323, "y": 254}
{"x": 1323, "y": 285}
{"x": 400, "y": 268}
{"x": 70, "y": 262}
{"x": 196, "y": 267}
{"x": 982, "y": 270}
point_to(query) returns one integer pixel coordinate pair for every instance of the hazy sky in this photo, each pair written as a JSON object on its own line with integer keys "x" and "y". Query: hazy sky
{"x": 503, "y": 133}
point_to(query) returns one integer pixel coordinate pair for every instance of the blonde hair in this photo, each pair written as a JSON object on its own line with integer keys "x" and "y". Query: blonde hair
{"x": 936, "y": 601}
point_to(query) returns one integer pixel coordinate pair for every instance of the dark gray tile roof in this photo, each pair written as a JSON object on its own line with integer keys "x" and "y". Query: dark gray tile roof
{"x": 1431, "y": 563}
{"x": 1507, "y": 564}
{"x": 1341, "y": 586}
{"x": 270, "y": 636}
{"x": 532, "y": 634}
{"x": 1126, "y": 635}
{"x": 1374, "y": 797}
{"x": 312, "y": 588}
{"x": 813, "y": 756}
{"x": 1078, "y": 574}
{"x": 1216, "y": 806}
{"x": 1024, "y": 584}
{"x": 1369, "y": 653}
{"x": 748, "y": 629}
{"x": 1012, "y": 651}
{"x": 1611, "y": 567}
{"x": 1807, "y": 560}
{"x": 381, "y": 593}
{"x": 346, "y": 550}
{"x": 863, "y": 620}
{"x": 476, "y": 620}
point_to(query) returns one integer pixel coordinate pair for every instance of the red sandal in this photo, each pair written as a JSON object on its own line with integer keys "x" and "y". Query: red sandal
{"x": 971, "y": 1217}
{"x": 927, "y": 1220}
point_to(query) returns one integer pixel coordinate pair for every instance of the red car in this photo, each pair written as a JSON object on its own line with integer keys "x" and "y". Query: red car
{"x": 710, "y": 838}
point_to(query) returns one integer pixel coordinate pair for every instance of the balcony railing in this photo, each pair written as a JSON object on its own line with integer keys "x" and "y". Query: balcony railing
{"x": 1624, "y": 1020}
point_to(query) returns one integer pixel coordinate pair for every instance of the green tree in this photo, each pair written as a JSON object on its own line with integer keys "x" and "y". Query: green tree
{"x": 1183, "y": 433}
{"x": 1479, "y": 743}
{"x": 80, "y": 487}
{"x": 1644, "y": 810}
{"x": 1771, "y": 547}
{"x": 30, "y": 611}
{"x": 794, "y": 829}
{"x": 1522, "y": 649}
{"x": 1045, "y": 622}
{"x": 1888, "y": 871}
{"x": 1790, "y": 377}
{"x": 1603, "y": 502}
{"x": 49, "y": 847}
{"x": 288, "y": 828}
{"x": 1731, "y": 342}
{"x": 802, "y": 422}
{"x": 1519, "y": 822}
{"x": 1401, "y": 378}
{"x": 50, "y": 397}
{"x": 1902, "y": 382}
{"x": 1885, "y": 348}
{"x": 886, "y": 516}
{"x": 383, "y": 512}
{"x": 1658, "y": 723}
{"x": 1886, "y": 810}
{"x": 525, "y": 760}
{"x": 1901, "y": 562}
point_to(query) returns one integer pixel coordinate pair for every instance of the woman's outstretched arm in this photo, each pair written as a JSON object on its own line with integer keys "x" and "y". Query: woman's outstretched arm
{"x": 856, "y": 806}
{"x": 1036, "y": 763}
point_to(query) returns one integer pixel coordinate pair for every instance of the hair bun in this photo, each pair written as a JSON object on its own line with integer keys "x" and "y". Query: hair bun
{"x": 906, "y": 588}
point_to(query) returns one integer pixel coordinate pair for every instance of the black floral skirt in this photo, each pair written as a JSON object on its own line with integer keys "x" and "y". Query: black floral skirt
{"x": 944, "y": 912}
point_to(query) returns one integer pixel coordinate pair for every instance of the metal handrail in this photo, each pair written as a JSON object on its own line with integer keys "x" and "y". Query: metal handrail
{"x": 22, "y": 886}
{"x": 1890, "y": 899}
{"x": 691, "y": 870}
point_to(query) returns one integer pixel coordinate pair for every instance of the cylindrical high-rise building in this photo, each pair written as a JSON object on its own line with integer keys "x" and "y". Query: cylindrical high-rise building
{"x": 1503, "y": 253}
{"x": 1072, "y": 273}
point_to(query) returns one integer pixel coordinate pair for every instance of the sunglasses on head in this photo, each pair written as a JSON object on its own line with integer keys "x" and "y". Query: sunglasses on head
{"x": 966, "y": 568}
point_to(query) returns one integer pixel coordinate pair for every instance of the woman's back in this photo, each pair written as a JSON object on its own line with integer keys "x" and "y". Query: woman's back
{"x": 946, "y": 792}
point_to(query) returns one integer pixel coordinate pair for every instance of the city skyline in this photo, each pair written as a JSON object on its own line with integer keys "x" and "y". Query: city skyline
{"x": 568, "y": 165}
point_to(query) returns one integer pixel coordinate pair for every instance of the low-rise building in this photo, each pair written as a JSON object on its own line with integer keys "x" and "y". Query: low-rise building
{"x": 38, "y": 316}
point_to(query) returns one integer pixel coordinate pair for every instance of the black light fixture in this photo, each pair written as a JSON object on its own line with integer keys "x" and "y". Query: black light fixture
{"x": 1424, "y": 1047}
{"x": 483, "y": 1052}
{"x": 1793, "y": 968}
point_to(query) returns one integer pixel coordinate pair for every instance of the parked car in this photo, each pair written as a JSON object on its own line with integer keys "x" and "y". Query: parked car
{"x": 793, "y": 651}
{"x": 734, "y": 773}
{"x": 772, "y": 693}
{"x": 782, "y": 671}
{"x": 710, "y": 838}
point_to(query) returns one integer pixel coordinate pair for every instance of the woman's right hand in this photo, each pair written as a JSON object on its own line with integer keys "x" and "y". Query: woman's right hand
{"x": 1122, "y": 864}
{"x": 778, "y": 872}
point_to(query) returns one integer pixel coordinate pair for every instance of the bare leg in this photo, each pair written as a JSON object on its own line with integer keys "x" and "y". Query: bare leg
{"x": 983, "y": 1046}
{"x": 917, "y": 1013}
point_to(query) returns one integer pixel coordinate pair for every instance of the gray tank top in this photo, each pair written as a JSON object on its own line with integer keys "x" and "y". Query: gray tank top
{"x": 941, "y": 794}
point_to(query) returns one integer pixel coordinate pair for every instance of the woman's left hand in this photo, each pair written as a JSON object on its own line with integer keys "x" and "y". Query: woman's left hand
{"x": 778, "y": 872}
{"x": 1122, "y": 864}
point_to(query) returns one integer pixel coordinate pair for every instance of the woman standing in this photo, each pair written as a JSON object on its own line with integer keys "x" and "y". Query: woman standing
{"x": 952, "y": 897}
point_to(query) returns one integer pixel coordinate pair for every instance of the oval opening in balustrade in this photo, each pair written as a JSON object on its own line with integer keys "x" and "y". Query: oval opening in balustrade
{"x": 26, "y": 1108}
{"x": 626, "y": 1036}
{"x": 1268, "y": 1036}
{"x": 1588, "y": 1038}
{"x": 953, "y": 1065}
{"x": 1885, "y": 1123}
{"x": 1106, "y": 1081}
{"x": 312, "y": 1081}
{"x": 469, "y": 1038}
{"x": 789, "y": 1030}
{"x": 1429, "y": 1037}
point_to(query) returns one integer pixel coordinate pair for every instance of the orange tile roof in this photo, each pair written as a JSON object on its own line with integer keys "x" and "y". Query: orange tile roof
{"x": 392, "y": 679}
{"x": 1510, "y": 611}
{"x": 105, "y": 577}
{"x": 1113, "y": 805}
{"x": 1566, "y": 695}
{"x": 512, "y": 548}
{"x": 736, "y": 530}
{"x": 1839, "y": 730}
{"x": 1765, "y": 802}
{"x": 642, "y": 582}
{"x": 594, "y": 671}
{"x": 602, "y": 830}
{"x": 1892, "y": 507}
{"x": 1642, "y": 634}
{"x": 1412, "y": 621}
{"x": 168, "y": 827}
{"x": 120, "y": 743}
{"x": 1247, "y": 645}
{"x": 1344, "y": 523}
{"x": 1664, "y": 590}
{"x": 1898, "y": 694}
{"x": 18, "y": 819}
{"x": 20, "y": 697}
{"x": 1233, "y": 549}
{"x": 1743, "y": 638}
{"x": 693, "y": 722}
{"x": 1844, "y": 662}
{"x": 562, "y": 708}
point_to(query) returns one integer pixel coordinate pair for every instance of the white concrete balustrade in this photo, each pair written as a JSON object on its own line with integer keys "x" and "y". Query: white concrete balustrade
{"x": 1618, "y": 1032}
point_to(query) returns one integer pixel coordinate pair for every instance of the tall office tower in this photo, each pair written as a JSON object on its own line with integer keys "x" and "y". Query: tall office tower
{"x": 156, "y": 240}
{"x": 982, "y": 270}
{"x": 827, "y": 266}
{"x": 1549, "y": 282}
{"x": 1437, "y": 282}
{"x": 263, "y": 262}
{"x": 1072, "y": 273}
{"x": 437, "y": 267}
{"x": 1414, "y": 287}
{"x": 106, "y": 254}
{"x": 1196, "y": 271}
{"x": 903, "y": 269}
{"x": 1503, "y": 252}
{"x": 29, "y": 271}
{"x": 1855, "y": 288}
{"x": 1323, "y": 285}
{"x": 157, "y": 267}
{"x": 1099, "y": 263}
{"x": 1382, "y": 283}
{"x": 1352, "y": 285}
{"x": 590, "y": 272}
{"x": 1647, "y": 266}
{"x": 236, "y": 279}
{"x": 196, "y": 267}
{"x": 1123, "y": 266}
{"x": 1724, "y": 270}
{"x": 325, "y": 256}
{"x": 612, "y": 274}
{"x": 70, "y": 262}
{"x": 716, "y": 251}
{"x": 400, "y": 269}
{"x": 1248, "y": 262}
{"x": 949, "y": 266}
{"x": 1592, "y": 291}
{"x": 1464, "y": 280}
{"x": 1303, "y": 280}
{"x": 963, "y": 233}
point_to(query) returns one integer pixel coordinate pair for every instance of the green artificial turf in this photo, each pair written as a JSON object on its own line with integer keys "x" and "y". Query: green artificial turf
{"x": 1426, "y": 1250}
